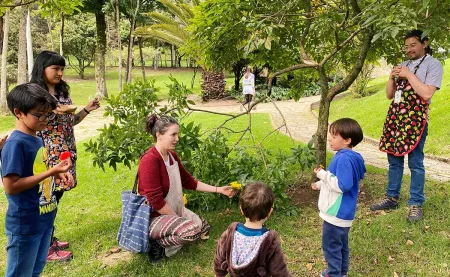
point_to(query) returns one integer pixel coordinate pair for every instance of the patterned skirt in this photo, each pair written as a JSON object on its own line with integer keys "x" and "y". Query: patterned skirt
{"x": 172, "y": 232}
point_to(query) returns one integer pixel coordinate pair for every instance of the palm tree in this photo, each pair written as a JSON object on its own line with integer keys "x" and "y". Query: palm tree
{"x": 172, "y": 29}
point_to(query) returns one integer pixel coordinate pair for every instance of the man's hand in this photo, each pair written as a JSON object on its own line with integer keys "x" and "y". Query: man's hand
{"x": 404, "y": 72}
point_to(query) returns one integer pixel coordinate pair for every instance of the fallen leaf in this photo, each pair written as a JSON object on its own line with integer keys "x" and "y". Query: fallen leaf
{"x": 375, "y": 261}
{"x": 395, "y": 274}
{"x": 383, "y": 213}
{"x": 115, "y": 250}
{"x": 390, "y": 259}
{"x": 409, "y": 243}
{"x": 426, "y": 227}
{"x": 309, "y": 266}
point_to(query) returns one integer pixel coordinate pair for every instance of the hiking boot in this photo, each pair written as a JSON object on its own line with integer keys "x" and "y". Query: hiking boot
{"x": 60, "y": 244}
{"x": 415, "y": 213}
{"x": 56, "y": 254}
{"x": 156, "y": 253}
{"x": 385, "y": 204}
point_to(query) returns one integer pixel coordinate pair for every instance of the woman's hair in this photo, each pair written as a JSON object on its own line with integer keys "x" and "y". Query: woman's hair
{"x": 418, "y": 35}
{"x": 46, "y": 59}
{"x": 248, "y": 71}
{"x": 160, "y": 124}
{"x": 256, "y": 201}
{"x": 347, "y": 128}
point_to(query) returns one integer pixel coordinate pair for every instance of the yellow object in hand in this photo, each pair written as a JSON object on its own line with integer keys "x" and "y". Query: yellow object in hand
{"x": 236, "y": 185}
{"x": 184, "y": 199}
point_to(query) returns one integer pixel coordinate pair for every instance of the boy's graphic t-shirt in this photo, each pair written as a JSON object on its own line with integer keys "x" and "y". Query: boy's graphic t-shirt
{"x": 31, "y": 211}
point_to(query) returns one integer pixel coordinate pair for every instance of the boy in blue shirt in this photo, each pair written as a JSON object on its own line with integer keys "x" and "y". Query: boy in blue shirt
{"x": 31, "y": 203}
{"x": 339, "y": 188}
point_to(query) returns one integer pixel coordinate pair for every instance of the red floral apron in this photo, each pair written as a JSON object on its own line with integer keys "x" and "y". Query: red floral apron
{"x": 405, "y": 121}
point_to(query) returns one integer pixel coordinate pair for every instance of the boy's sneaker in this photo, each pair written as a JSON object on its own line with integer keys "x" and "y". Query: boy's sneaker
{"x": 324, "y": 274}
{"x": 56, "y": 254}
{"x": 385, "y": 204}
{"x": 415, "y": 213}
{"x": 60, "y": 244}
{"x": 156, "y": 253}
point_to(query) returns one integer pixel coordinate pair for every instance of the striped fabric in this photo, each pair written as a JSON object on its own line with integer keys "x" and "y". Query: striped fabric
{"x": 134, "y": 228}
{"x": 171, "y": 230}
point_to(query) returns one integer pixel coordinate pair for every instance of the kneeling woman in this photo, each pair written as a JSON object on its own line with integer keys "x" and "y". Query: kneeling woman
{"x": 161, "y": 179}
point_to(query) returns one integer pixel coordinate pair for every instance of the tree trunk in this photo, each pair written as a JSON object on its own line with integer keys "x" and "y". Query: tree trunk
{"x": 50, "y": 28}
{"x": 29, "y": 45}
{"x": 119, "y": 43}
{"x": 320, "y": 141}
{"x": 213, "y": 85}
{"x": 81, "y": 66}
{"x": 130, "y": 43}
{"x": 22, "y": 47}
{"x": 3, "y": 86}
{"x": 100, "y": 52}
{"x": 61, "y": 36}
{"x": 172, "y": 54}
{"x": 142, "y": 58}
{"x": 1, "y": 33}
{"x": 327, "y": 95}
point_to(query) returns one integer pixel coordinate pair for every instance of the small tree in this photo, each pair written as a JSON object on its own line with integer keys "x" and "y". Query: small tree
{"x": 80, "y": 42}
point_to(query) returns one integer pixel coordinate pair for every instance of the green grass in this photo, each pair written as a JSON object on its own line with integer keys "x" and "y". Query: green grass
{"x": 89, "y": 218}
{"x": 81, "y": 90}
{"x": 371, "y": 111}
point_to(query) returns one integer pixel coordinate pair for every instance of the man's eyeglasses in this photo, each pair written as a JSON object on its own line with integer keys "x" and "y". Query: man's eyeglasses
{"x": 412, "y": 45}
{"x": 44, "y": 117}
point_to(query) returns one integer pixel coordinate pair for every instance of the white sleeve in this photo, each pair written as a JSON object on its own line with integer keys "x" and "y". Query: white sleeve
{"x": 330, "y": 180}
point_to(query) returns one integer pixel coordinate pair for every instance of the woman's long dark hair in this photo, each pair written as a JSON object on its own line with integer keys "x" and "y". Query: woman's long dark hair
{"x": 46, "y": 59}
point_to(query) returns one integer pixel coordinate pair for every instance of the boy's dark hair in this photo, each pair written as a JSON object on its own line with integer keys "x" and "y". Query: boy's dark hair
{"x": 347, "y": 128}
{"x": 46, "y": 59}
{"x": 26, "y": 97}
{"x": 419, "y": 35}
{"x": 256, "y": 200}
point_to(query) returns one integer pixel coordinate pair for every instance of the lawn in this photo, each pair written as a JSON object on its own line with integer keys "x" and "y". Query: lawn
{"x": 89, "y": 218}
{"x": 371, "y": 111}
{"x": 82, "y": 90}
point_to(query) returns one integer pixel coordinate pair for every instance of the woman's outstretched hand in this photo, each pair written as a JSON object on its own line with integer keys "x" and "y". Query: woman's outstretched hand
{"x": 227, "y": 191}
{"x": 93, "y": 105}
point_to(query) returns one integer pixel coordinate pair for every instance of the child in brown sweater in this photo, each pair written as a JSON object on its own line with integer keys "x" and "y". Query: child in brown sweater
{"x": 250, "y": 249}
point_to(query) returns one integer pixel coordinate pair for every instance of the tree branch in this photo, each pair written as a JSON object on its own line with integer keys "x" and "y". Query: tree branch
{"x": 348, "y": 80}
{"x": 18, "y": 4}
{"x": 340, "y": 46}
{"x": 306, "y": 64}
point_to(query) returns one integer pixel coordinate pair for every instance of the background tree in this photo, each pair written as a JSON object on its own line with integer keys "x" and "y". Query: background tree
{"x": 96, "y": 7}
{"x": 313, "y": 36}
{"x": 80, "y": 42}
{"x": 3, "y": 84}
{"x": 170, "y": 26}
{"x": 22, "y": 73}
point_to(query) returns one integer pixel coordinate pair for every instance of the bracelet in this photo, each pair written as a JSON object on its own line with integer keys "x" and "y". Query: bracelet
{"x": 84, "y": 109}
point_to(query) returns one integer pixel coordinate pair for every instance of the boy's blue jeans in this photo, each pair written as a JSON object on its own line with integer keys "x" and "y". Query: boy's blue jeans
{"x": 335, "y": 249}
{"x": 415, "y": 164}
{"x": 27, "y": 254}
